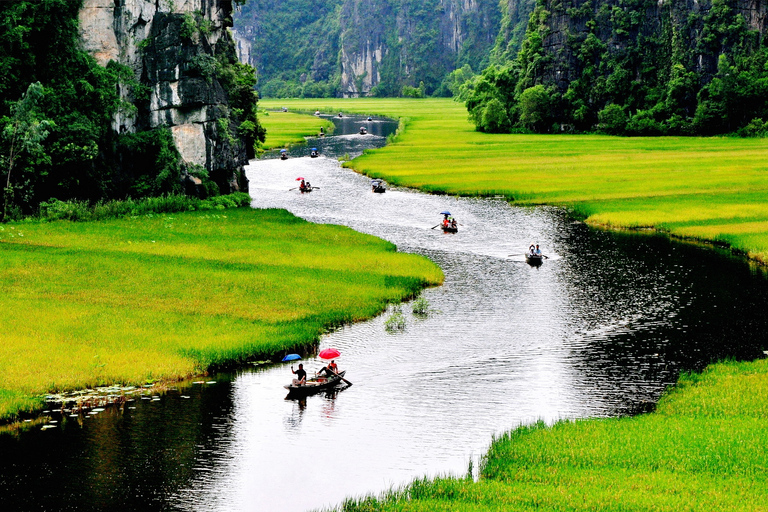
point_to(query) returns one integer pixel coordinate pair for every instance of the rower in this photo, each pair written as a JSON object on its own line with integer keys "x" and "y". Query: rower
{"x": 301, "y": 376}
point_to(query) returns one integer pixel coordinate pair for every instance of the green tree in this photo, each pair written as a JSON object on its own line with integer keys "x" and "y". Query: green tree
{"x": 23, "y": 151}
{"x": 538, "y": 108}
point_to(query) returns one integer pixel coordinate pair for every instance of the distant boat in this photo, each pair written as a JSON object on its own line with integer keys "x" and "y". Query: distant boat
{"x": 450, "y": 229}
{"x": 378, "y": 186}
{"x": 363, "y": 130}
{"x": 314, "y": 153}
{"x": 283, "y": 154}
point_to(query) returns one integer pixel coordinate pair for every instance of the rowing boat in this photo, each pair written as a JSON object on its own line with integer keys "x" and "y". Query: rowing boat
{"x": 534, "y": 259}
{"x": 315, "y": 385}
{"x": 449, "y": 229}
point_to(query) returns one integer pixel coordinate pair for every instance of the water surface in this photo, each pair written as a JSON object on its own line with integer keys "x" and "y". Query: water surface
{"x": 599, "y": 330}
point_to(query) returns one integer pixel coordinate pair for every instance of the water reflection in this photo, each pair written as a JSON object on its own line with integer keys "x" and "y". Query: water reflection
{"x": 598, "y": 330}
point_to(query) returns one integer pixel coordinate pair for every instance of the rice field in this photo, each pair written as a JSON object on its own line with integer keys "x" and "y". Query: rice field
{"x": 165, "y": 296}
{"x": 703, "y": 449}
{"x": 713, "y": 188}
{"x": 286, "y": 128}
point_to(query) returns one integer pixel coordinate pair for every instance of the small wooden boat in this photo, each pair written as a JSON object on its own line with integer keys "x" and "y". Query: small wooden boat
{"x": 378, "y": 186}
{"x": 315, "y": 385}
{"x": 314, "y": 153}
{"x": 450, "y": 229}
{"x": 363, "y": 130}
{"x": 534, "y": 259}
{"x": 306, "y": 189}
{"x": 283, "y": 156}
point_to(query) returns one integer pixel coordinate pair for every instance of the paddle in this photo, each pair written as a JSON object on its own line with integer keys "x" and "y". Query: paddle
{"x": 294, "y": 188}
{"x": 433, "y": 227}
{"x": 342, "y": 378}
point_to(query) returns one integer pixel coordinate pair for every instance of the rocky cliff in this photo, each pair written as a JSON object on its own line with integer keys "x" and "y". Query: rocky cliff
{"x": 386, "y": 44}
{"x": 362, "y": 47}
{"x": 640, "y": 67}
{"x": 175, "y": 49}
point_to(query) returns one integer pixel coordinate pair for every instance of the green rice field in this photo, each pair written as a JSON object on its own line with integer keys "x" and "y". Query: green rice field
{"x": 286, "y": 128}
{"x": 713, "y": 189}
{"x": 165, "y": 296}
{"x": 703, "y": 449}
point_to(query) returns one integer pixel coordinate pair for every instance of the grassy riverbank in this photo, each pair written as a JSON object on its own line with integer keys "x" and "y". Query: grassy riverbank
{"x": 165, "y": 296}
{"x": 706, "y": 188}
{"x": 286, "y": 128}
{"x": 703, "y": 449}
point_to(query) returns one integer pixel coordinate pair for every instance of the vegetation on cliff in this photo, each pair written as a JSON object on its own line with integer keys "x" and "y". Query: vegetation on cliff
{"x": 634, "y": 67}
{"x": 57, "y": 107}
{"x": 314, "y": 49}
{"x": 168, "y": 295}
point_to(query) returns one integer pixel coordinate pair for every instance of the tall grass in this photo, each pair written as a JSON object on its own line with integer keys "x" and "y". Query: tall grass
{"x": 703, "y": 449}
{"x": 704, "y": 446}
{"x": 285, "y": 128}
{"x": 712, "y": 188}
{"x": 164, "y": 296}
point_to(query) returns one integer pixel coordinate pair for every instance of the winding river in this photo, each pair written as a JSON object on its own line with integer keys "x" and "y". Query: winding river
{"x": 599, "y": 330}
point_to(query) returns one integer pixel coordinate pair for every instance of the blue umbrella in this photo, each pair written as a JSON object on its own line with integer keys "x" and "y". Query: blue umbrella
{"x": 314, "y": 149}
{"x": 445, "y": 212}
{"x": 283, "y": 150}
{"x": 291, "y": 357}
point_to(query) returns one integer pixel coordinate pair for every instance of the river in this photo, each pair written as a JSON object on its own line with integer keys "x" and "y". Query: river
{"x": 601, "y": 329}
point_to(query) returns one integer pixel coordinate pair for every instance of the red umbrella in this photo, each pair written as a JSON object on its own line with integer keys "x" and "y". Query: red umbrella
{"x": 299, "y": 179}
{"x": 329, "y": 353}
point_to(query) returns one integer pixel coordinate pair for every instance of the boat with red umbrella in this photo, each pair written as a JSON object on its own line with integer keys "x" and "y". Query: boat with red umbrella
{"x": 319, "y": 383}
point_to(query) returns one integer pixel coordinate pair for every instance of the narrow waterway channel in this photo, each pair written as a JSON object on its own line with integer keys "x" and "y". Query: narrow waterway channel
{"x": 600, "y": 329}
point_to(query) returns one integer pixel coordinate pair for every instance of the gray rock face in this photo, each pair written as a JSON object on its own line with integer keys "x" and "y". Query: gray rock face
{"x": 412, "y": 41}
{"x": 177, "y": 65}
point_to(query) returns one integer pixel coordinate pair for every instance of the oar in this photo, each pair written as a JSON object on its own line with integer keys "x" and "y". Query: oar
{"x": 294, "y": 188}
{"x": 521, "y": 254}
{"x": 342, "y": 378}
{"x": 433, "y": 227}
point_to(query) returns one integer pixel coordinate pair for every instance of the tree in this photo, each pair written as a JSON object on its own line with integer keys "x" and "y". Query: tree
{"x": 23, "y": 151}
{"x": 537, "y": 106}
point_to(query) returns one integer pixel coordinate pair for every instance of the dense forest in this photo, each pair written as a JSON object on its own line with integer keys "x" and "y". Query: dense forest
{"x": 58, "y": 108}
{"x": 635, "y": 67}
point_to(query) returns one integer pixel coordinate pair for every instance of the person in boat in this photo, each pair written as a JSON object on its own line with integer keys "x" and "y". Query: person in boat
{"x": 537, "y": 252}
{"x": 446, "y": 222}
{"x": 331, "y": 369}
{"x": 453, "y": 224}
{"x": 301, "y": 376}
{"x": 340, "y": 115}
{"x": 302, "y": 185}
{"x": 307, "y": 186}
{"x": 532, "y": 250}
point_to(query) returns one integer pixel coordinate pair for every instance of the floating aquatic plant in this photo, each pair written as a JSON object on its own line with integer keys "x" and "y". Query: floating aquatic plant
{"x": 396, "y": 321}
{"x": 420, "y": 306}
